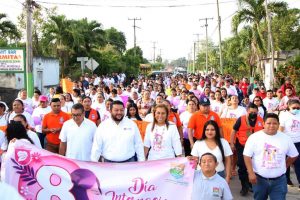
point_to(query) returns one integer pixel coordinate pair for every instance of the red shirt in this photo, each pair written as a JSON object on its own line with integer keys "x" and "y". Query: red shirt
{"x": 284, "y": 86}
{"x": 244, "y": 87}
{"x": 262, "y": 95}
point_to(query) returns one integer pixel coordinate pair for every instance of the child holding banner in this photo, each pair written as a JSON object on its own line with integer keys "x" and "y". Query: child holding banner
{"x": 207, "y": 183}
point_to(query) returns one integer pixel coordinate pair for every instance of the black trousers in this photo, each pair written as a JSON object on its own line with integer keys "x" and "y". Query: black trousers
{"x": 187, "y": 147}
{"x": 242, "y": 171}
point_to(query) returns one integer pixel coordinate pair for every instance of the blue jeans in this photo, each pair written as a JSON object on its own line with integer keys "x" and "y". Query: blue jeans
{"x": 275, "y": 189}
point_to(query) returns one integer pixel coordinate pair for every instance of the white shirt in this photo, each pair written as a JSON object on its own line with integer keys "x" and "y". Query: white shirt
{"x": 231, "y": 90}
{"x": 270, "y": 104}
{"x": 35, "y": 139}
{"x": 201, "y": 89}
{"x": 210, "y": 188}
{"x": 234, "y": 113}
{"x": 38, "y": 115}
{"x": 27, "y": 116}
{"x": 182, "y": 106}
{"x": 79, "y": 139}
{"x": 200, "y": 148}
{"x": 28, "y": 104}
{"x": 8, "y": 192}
{"x": 35, "y": 103}
{"x": 164, "y": 142}
{"x": 4, "y": 119}
{"x": 117, "y": 142}
{"x": 100, "y": 107}
{"x": 104, "y": 115}
{"x": 291, "y": 125}
{"x": 185, "y": 118}
{"x": 116, "y": 98}
{"x": 261, "y": 112}
{"x": 217, "y": 107}
{"x": 69, "y": 105}
{"x": 127, "y": 93}
{"x": 269, "y": 153}
{"x": 174, "y": 101}
{"x": 96, "y": 81}
{"x": 149, "y": 118}
{"x": 251, "y": 97}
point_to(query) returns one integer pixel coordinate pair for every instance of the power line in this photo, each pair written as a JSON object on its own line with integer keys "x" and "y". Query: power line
{"x": 135, "y": 6}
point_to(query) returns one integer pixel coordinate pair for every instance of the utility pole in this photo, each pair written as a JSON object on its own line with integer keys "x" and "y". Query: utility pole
{"x": 189, "y": 62}
{"x": 198, "y": 40}
{"x": 29, "y": 54}
{"x": 206, "y": 35}
{"x": 270, "y": 46}
{"x": 134, "y": 35}
{"x": 194, "y": 60}
{"x": 154, "y": 47}
{"x": 220, "y": 39}
{"x": 160, "y": 50}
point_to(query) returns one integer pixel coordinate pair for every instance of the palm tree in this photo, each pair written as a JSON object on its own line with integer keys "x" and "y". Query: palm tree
{"x": 56, "y": 35}
{"x": 252, "y": 14}
{"x": 8, "y": 30}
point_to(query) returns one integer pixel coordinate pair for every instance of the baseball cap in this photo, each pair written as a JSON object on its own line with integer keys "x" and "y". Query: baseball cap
{"x": 204, "y": 101}
{"x": 43, "y": 98}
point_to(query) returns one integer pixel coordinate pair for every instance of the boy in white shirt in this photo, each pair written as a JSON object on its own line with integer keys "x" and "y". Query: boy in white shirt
{"x": 270, "y": 103}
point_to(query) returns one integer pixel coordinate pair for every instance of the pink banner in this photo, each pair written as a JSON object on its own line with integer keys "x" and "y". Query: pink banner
{"x": 39, "y": 174}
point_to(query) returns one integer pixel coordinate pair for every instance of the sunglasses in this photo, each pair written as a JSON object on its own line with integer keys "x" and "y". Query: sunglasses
{"x": 296, "y": 108}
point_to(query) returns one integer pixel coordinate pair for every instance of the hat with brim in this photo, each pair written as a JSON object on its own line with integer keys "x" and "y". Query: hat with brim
{"x": 204, "y": 101}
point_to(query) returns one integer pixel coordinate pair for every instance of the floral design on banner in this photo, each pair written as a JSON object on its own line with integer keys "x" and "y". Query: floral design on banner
{"x": 27, "y": 173}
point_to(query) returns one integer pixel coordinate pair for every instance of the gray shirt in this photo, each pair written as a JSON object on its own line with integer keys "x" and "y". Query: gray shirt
{"x": 210, "y": 188}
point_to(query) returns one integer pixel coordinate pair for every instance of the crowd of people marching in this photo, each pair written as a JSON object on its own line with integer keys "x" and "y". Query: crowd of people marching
{"x": 229, "y": 126}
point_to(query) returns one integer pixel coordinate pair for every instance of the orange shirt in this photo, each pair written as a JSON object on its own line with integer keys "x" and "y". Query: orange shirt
{"x": 198, "y": 120}
{"x": 188, "y": 86}
{"x": 174, "y": 117}
{"x": 142, "y": 125}
{"x": 52, "y": 120}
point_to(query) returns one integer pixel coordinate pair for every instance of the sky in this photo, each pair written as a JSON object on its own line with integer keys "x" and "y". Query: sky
{"x": 169, "y": 25}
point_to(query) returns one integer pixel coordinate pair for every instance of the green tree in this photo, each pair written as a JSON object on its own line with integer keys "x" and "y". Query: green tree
{"x": 286, "y": 30}
{"x": 132, "y": 59}
{"x": 116, "y": 38}
{"x": 56, "y": 35}
{"x": 252, "y": 13}
{"x": 8, "y": 30}
{"x": 110, "y": 60}
{"x": 40, "y": 17}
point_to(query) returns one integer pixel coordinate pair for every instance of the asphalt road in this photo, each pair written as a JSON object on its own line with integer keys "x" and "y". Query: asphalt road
{"x": 235, "y": 186}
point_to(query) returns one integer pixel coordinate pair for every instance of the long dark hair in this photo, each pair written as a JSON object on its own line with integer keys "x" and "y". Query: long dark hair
{"x": 217, "y": 137}
{"x": 261, "y": 104}
{"x": 23, "y": 118}
{"x": 167, "y": 117}
{"x": 137, "y": 116}
{"x": 18, "y": 131}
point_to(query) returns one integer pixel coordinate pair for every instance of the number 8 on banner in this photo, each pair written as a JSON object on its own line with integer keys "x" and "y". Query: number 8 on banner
{"x": 49, "y": 189}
